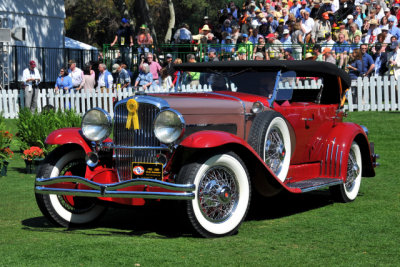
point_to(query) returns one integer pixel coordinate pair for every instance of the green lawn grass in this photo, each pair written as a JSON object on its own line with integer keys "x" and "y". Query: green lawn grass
{"x": 289, "y": 230}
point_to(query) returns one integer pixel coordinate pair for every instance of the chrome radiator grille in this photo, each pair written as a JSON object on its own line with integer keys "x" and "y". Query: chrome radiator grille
{"x": 144, "y": 137}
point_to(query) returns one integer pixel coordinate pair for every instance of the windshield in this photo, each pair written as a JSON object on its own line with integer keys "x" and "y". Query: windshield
{"x": 290, "y": 86}
{"x": 246, "y": 81}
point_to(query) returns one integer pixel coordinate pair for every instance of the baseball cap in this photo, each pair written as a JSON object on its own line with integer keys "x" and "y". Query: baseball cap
{"x": 212, "y": 50}
{"x": 394, "y": 45}
{"x": 387, "y": 9}
{"x": 285, "y": 31}
{"x": 303, "y": 2}
{"x": 143, "y": 26}
{"x": 245, "y": 35}
{"x": 242, "y": 50}
{"x": 385, "y": 28}
{"x": 115, "y": 68}
{"x": 350, "y": 17}
{"x": 259, "y": 54}
{"x": 32, "y": 63}
{"x": 168, "y": 56}
{"x": 271, "y": 35}
{"x": 326, "y": 50}
{"x": 325, "y": 15}
{"x": 124, "y": 20}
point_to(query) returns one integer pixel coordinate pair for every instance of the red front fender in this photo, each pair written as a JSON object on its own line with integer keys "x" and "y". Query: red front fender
{"x": 68, "y": 136}
{"x": 209, "y": 139}
{"x": 212, "y": 139}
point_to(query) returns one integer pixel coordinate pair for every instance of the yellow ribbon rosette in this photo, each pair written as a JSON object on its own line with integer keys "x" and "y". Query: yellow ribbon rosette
{"x": 132, "y": 107}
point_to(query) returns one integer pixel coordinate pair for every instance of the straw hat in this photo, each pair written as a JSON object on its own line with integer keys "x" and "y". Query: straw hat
{"x": 206, "y": 28}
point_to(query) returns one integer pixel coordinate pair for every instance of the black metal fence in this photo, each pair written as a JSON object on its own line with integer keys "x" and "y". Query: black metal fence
{"x": 48, "y": 61}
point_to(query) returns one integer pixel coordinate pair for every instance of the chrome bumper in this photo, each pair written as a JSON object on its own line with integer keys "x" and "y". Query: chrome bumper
{"x": 110, "y": 190}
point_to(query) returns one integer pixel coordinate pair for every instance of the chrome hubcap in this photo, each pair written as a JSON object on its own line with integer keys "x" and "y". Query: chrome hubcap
{"x": 218, "y": 194}
{"x": 274, "y": 150}
{"x": 353, "y": 170}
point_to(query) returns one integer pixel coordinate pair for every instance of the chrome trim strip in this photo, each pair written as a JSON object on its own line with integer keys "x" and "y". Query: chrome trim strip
{"x": 326, "y": 160}
{"x": 141, "y": 147}
{"x": 337, "y": 151}
{"x": 115, "y": 186}
{"x": 321, "y": 186}
{"x": 153, "y": 100}
{"x": 330, "y": 163}
{"x": 110, "y": 190}
{"x": 118, "y": 194}
{"x": 340, "y": 163}
{"x": 243, "y": 105}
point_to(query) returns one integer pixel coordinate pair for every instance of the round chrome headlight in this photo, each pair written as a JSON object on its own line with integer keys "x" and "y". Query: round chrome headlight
{"x": 169, "y": 126}
{"x": 96, "y": 125}
{"x": 257, "y": 107}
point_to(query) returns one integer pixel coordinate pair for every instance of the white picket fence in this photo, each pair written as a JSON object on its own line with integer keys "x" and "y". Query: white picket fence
{"x": 373, "y": 94}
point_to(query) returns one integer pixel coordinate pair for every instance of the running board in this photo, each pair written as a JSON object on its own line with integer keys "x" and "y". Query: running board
{"x": 314, "y": 184}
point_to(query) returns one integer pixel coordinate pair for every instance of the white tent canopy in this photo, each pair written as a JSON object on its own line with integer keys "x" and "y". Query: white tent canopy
{"x": 74, "y": 44}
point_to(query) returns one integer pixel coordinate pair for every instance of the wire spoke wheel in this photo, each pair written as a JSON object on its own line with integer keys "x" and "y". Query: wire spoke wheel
{"x": 222, "y": 194}
{"x": 218, "y": 194}
{"x": 274, "y": 150}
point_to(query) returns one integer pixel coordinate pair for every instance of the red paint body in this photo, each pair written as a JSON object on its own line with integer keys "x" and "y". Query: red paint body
{"x": 315, "y": 127}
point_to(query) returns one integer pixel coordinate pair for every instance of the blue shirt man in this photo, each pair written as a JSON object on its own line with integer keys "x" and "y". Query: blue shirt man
{"x": 368, "y": 64}
{"x": 393, "y": 30}
{"x": 341, "y": 47}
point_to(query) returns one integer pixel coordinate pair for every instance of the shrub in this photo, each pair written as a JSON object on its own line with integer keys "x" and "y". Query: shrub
{"x": 33, "y": 128}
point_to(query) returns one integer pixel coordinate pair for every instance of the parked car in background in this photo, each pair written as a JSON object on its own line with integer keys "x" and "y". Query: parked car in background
{"x": 255, "y": 129}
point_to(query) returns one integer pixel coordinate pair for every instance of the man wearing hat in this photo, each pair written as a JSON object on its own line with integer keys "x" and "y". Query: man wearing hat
{"x": 296, "y": 6}
{"x": 206, "y": 21}
{"x": 144, "y": 40}
{"x": 394, "y": 60}
{"x": 212, "y": 55}
{"x": 303, "y": 7}
{"x": 275, "y": 48}
{"x": 373, "y": 32}
{"x": 122, "y": 78}
{"x": 322, "y": 27}
{"x": 124, "y": 37}
{"x": 31, "y": 78}
{"x": 326, "y": 7}
{"x": 393, "y": 30}
{"x": 242, "y": 53}
{"x": 76, "y": 75}
{"x": 286, "y": 40}
{"x": 169, "y": 66}
{"x": 206, "y": 31}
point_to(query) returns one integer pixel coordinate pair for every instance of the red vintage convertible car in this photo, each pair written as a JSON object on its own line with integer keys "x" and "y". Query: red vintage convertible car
{"x": 264, "y": 126}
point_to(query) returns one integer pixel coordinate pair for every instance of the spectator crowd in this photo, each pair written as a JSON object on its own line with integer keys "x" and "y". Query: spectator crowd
{"x": 359, "y": 36}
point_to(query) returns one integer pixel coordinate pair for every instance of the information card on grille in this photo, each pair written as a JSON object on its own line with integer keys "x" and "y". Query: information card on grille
{"x": 147, "y": 170}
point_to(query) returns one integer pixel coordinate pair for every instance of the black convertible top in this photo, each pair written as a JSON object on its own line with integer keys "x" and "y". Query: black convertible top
{"x": 303, "y": 68}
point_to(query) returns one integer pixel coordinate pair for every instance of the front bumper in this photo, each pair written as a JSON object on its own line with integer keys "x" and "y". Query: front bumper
{"x": 185, "y": 192}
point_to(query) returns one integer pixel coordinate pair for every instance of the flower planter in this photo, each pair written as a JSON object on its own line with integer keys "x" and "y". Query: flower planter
{"x": 4, "y": 166}
{"x": 32, "y": 166}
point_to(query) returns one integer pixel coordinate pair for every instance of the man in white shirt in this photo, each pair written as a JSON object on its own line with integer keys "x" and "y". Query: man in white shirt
{"x": 105, "y": 81}
{"x": 307, "y": 24}
{"x": 76, "y": 75}
{"x": 31, "y": 79}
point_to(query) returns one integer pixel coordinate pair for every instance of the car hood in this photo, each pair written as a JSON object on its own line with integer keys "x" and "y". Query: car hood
{"x": 204, "y": 103}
